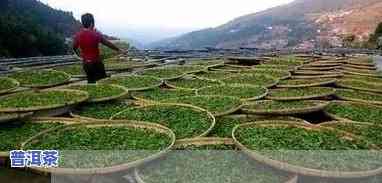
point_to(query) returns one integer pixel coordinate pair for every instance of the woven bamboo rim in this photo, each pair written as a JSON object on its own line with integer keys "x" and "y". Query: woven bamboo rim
{"x": 137, "y": 89}
{"x": 312, "y": 68}
{"x": 276, "y": 81}
{"x": 319, "y": 106}
{"x": 361, "y": 70}
{"x": 360, "y": 63}
{"x": 361, "y": 74}
{"x": 323, "y": 83}
{"x": 287, "y": 76}
{"x": 67, "y": 79}
{"x": 295, "y": 168}
{"x": 122, "y": 167}
{"x": 318, "y": 76}
{"x": 104, "y": 99}
{"x": 266, "y": 90}
{"x": 360, "y": 67}
{"x": 307, "y": 97}
{"x": 167, "y": 83}
{"x": 14, "y": 82}
{"x": 46, "y": 120}
{"x": 30, "y": 109}
{"x": 163, "y": 78}
{"x": 259, "y": 118}
{"x": 130, "y": 67}
{"x": 201, "y": 142}
{"x": 14, "y": 116}
{"x": 329, "y": 62}
{"x": 209, "y": 114}
{"x": 305, "y": 72}
{"x": 338, "y": 118}
{"x": 144, "y": 100}
{"x": 360, "y": 100}
{"x": 324, "y": 64}
{"x": 339, "y": 84}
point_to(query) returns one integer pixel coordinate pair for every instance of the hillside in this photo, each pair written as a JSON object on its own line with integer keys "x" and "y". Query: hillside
{"x": 302, "y": 23}
{"x": 31, "y": 28}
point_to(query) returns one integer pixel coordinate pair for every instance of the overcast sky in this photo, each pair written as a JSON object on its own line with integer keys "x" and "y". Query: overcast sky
{"x": 182, "y": 14}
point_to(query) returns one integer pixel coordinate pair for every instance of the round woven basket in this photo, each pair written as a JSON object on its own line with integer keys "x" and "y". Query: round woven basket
{"x": 14, "y": 116}
{"x": 261, "y": 71}
{"x": 319, "y": 106}
{"x": 360, "y": 64}
{"x": 361, "y": 74}
{"x": 335, "y": 117}
{"x": 131, "y": 67}
{"x": 47, "y": 120}
{"x": 51, "y": 107}
{"x": 169, "y": 84}
{"x": 305, "y": 72}
{"x": 318, "y": 76}
{"x": 247, "y": 99}
{"x": 209, "y": 114}
{"x": 66, "y": 80}
{"x": 104, "y": 99}
{"x": 258, "y": 118}
{"x": 323, "y": 83}
{"x": 307, "y": 97}
{"x": 105, "y": 81}
{"x": 324, "y": 64}
{"x": 339, "y": 84}
{"x": 14, "y": 82}
{"x": 203, "y": 141}
{"x": 360, "y": 100}
{"x": 296, "y": 168}
{"x": 168, "y": 78}
{"x": 360, "y": 67}
{"x": 312, "y": 68}
{"x": 112, "y": 169}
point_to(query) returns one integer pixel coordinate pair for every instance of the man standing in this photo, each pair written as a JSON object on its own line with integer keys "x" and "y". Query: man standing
{"x": 86, "y": 43}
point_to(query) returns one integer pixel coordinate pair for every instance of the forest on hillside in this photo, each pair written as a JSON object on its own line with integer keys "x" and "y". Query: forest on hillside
{"x": 31, "y": 28}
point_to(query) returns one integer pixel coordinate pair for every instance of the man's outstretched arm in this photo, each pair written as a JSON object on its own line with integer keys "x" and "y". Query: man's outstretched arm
{"x": 109, "y": 44}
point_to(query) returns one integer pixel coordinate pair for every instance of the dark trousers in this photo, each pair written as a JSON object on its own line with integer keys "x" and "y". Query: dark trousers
{"x": 94, "y": 71}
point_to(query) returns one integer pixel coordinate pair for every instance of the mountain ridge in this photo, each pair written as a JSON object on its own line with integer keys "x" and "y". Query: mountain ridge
{"x": 296, "y": 24}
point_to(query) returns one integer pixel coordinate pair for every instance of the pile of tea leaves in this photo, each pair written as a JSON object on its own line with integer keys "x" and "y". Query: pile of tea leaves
{"x": 13, "y": 134}
{"x": 192, "y": 83}
{"x": 358, "y": 112}
{"x": 186, "y": 122}
{"x": 359, "y": 96}
{"x": 298, "y": 83}
{"x": 252, "y": 79}
{"x": 244, "y": 92}
{"x": 40, "y": 78}
{"x": 7, "y": 84}
{"x": 165, "y": 73}
{"x": 300, "y": 93}
{"x": 268, "y": 107}
{"x": 102, "y": 110}
{"x": 30, "y": 100}
{"x": 161, "y": 94}
{"x": 133, "y": 82}
{"x": 100, "y": 92}
{"x": 217, "y": 105}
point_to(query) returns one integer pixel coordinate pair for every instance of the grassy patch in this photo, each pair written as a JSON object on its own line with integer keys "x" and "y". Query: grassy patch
{"x": 356, "y": 112}
{"x": 133, "y": 82}
{"x": 186, "y": 122}
{"x": 244, "y": 92}
{"x": 252, "y": 79}
{"x": 37, "y": 78}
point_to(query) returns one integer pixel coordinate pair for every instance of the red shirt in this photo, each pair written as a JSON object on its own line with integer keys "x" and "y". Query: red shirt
{"x": 88, "y": 41}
